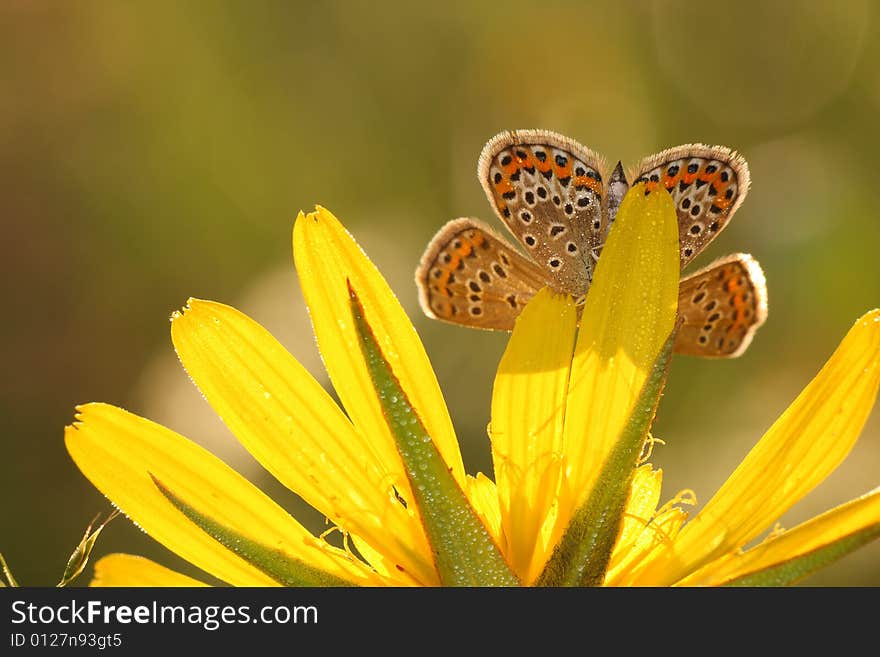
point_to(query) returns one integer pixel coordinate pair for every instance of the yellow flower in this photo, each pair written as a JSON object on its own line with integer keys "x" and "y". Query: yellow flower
{"x": 570, "y": 503}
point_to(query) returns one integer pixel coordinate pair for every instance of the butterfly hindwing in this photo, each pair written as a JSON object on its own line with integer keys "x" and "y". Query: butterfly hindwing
{"x": 721, "y": 306}
{"x": 548, "y": 190}
{"x": 707, "y": 184}
{"x": 470, "y": 275}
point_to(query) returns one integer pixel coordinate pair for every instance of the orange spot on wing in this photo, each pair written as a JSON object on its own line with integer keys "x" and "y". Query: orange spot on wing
{"x": 671, "y": 181}
{"x": 737, "y": 285}
{"x": 586, "y": 181}
{"x": 448, "y": 268}
{"x": 443, "y": 282}
{"x": 511, "y": 168}
{"x": 503, "y": 186}
{"x": 563, "y": 172}
{"x": 546, "y": 165}
{"x": 464, "y": 250}
{"x": 740, "y": 320}
{"x": 721, "y": 187}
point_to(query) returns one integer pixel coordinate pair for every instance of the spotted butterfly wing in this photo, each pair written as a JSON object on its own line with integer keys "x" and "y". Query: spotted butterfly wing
{"x": 470, "y": 275}
{"x": 548, "y": 190}
{"x": 722, "y": 306}
{"x": 707, "y": 184}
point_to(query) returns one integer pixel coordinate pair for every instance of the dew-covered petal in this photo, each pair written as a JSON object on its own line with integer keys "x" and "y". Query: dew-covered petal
{"x": 123, "y": 455}
{"x": 465, "y": 553}
{"x": 484, "y": 496}
{"x": 328, "y": 260}
{"x": 528, "y": 412}
{"x": 628, "y": 315}
{"x": 286, "y": 419}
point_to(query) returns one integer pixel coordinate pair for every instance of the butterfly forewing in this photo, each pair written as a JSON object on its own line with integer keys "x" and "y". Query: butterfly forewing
{"x": 707, "y": 185}
{"x": 470, "y": 275}
{"x": 722, "y": 306}
{"x": 548, "y": 190}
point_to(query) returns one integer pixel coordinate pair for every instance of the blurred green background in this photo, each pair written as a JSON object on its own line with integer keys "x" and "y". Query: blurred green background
{"x": 154, "y": 151}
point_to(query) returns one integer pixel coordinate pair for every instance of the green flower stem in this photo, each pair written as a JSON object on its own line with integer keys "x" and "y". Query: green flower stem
{"x": 464, "y": 552}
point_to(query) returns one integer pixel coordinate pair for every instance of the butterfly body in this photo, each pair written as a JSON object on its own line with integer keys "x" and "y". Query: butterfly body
{"x": 558, "y": 200}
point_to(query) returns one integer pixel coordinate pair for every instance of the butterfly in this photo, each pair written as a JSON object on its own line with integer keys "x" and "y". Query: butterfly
{"x": 556, "y": 198}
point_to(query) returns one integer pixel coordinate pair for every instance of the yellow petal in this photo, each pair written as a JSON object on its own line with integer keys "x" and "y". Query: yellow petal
{"x": 327, "y": 259}
{"x": 640, "y": 510}
{"x": 528, "y": 411}
{"x": 653, "y": 539}
{"x": 484, "y": 497}
{"x": 391, "y": 572}
{"x": 844, "y": 521}
{"x": 641, "y": 506}
{"x": 628, "y": 315}
{"x": 806, "y": 443}
{"x": 132, "y": 570}
{"x": 296, "y": 431}
{"x": 118, "y": 452}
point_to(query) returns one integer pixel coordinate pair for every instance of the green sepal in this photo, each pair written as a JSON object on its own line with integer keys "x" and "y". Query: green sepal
{"x": 464, "y": 552}
{"x": 281, "y": 567}
{"x": 582, "y": 555}
{"x": 794, "y": 570}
